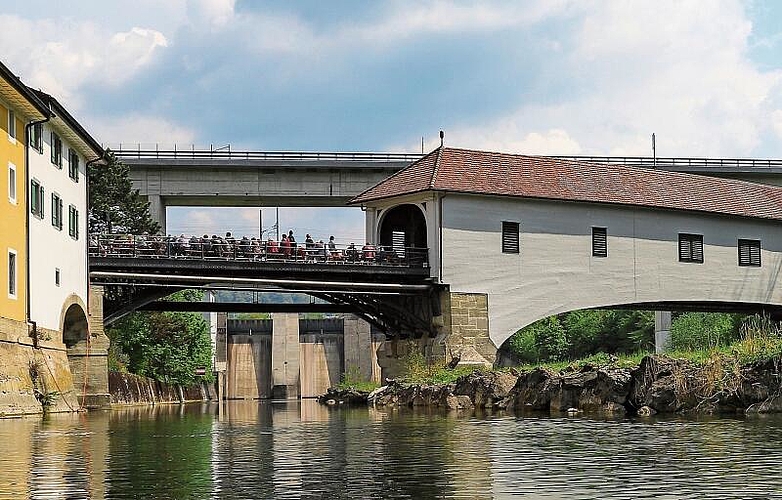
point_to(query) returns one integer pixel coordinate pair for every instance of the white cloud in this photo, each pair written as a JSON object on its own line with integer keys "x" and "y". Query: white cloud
{"x": 70, "y": 53}
{"x": 776, "y": 122}
{"x": 140, "y": 129}
{"x": 679, "y": 69}
{"x": 215, "y": 13}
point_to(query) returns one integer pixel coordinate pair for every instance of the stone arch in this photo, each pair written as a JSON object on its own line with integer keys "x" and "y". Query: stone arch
{"x": 407, "y": 219}
{"x": 73, "y": 318}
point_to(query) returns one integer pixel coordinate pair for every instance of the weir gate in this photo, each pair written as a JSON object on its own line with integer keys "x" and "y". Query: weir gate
{"x": 286, "y": 357}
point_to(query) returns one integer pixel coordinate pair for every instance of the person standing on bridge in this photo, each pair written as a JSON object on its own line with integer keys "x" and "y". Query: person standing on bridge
{"x": 292, "y": 241}
{"x": 285, "y": 243}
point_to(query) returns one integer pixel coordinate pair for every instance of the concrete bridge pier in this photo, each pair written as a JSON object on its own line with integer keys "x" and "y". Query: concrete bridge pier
{"x": 285, "y": 355}
{"x": 662, "y": 331}
{"x": 157, "y": 210}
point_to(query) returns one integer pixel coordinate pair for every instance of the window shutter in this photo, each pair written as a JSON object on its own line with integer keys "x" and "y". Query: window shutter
{"x": 398, "y": 243}
{"x": 691, "y": 248}
{"x": 510, "y": 237}
{"x": 749, "y": 253}
{"x": 599, "y": 242}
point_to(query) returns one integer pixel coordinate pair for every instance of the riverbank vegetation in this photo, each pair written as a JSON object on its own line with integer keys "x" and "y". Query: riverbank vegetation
{"x": 165, "y": 346}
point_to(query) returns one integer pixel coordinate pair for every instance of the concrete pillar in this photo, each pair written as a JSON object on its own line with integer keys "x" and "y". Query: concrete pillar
{"x": 370, "y": 228}
{"x": 433, "y": 236}
{"x": 359, "y": 356}
{"x": 662, "y": 330}
{"x": 157, "y": 210}
{"x": 285, "y": 355}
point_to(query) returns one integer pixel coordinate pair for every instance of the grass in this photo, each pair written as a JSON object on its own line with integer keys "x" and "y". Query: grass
{"x": 417, "y": 370}
{"x": 353, "y": 380}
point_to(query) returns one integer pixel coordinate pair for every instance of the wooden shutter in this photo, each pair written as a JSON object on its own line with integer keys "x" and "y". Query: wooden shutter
{"x": 510, "y": 237}
{"x": 749, "y": 253}
{"x": 599, "y": 242}
{"x": 690, "y": 247}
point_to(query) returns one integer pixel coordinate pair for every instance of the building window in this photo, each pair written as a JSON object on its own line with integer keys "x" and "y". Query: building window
{"x": 36, "y": 198}
{"x": 510, "y": 237}
{"x": 599, "y": 242}
{"x": 57, "y": 276}
{"x": 749, "y": 253}
{"x": 56, "y": 150}
{"x": 36, "y": 137}
{"x": 12, "y": 183}
{"x": 57, "y": 211}
{"x": 691, "y": 248}
{"x": 12, "y": 273}
{"x": 73, "y": 222}
{"x": 11, "y": 126}
{"x": 73, "y": 165}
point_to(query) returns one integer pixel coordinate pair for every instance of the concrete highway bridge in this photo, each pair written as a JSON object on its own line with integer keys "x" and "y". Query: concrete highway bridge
{"x": 213, "y": 178}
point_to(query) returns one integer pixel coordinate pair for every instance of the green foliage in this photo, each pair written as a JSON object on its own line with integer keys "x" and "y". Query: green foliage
{"x": 166, "y": 346}
{"x": 352, "y": 379}
{"x": 582, "y": 333}
{"x": 694, "y": 331}
{"x": 417, "y": 370}
{"x": 761, "y": 339}
{"x": 115, "y": 207}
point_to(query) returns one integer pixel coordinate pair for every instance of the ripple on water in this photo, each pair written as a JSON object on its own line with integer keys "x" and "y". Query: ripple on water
{"x": 292, "y": 451}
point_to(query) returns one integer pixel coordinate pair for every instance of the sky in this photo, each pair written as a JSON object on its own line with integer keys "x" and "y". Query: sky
{"x": 532, "y": 77}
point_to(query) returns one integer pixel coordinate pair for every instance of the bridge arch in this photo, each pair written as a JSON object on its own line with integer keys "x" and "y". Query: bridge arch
{"x": 403, "y": 225}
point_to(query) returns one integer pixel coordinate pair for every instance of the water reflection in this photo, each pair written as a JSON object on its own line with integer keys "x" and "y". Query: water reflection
{"x": 303, "y": 450}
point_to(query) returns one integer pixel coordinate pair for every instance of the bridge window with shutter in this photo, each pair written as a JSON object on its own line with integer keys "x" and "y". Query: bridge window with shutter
{"x": 510, "y": 237}
{"x": 599, "y": 242}
{"x": 691, "y": 248}
{"x": 749, "y": 253}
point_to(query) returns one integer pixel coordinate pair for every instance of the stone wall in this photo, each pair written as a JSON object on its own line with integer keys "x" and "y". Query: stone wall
{"x": 33, "y": 379}
{"x": 129, "y": 389}
{"x": 468, "y": 325}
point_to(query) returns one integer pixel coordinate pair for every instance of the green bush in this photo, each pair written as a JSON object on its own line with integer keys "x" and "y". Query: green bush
{"x": 694, "y": 331}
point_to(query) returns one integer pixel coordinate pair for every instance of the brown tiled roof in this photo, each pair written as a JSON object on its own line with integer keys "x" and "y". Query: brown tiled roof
{"x": 480, "y": 172}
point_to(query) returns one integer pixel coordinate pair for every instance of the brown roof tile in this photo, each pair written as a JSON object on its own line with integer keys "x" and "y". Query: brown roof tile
{"x": 480, "y": 172}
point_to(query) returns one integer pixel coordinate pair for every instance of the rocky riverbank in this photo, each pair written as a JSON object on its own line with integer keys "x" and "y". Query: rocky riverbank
{"x": 657, "y": 385}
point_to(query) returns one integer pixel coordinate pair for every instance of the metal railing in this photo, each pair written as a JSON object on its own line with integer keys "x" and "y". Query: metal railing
{"x": 648, "y": 161}
{"x": 252, "y": 250}
{"x": 125, "y": 152}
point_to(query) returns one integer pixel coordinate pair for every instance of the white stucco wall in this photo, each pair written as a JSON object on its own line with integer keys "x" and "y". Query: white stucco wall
{"x": 51, "y": 248}
{"x": 555, "y": 271}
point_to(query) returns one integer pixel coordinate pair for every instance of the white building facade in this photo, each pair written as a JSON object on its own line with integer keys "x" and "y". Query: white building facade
{"x": 59, "y": 151}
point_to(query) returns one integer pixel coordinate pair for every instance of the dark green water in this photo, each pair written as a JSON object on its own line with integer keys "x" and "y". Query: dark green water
{"x": 266, "y": 450}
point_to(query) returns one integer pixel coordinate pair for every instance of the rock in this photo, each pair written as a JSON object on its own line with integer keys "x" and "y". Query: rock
{"x": 464, "y": 401}
{"x": 533, "y": 390}
{"x": 485, "y": 389}
{"x": 646, "y": 411}
{"x": 344, "y": 396}
{"x": 770, "y": 405}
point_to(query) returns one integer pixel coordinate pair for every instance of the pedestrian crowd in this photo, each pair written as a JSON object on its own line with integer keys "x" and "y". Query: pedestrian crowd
{"x": 250, "y": 248}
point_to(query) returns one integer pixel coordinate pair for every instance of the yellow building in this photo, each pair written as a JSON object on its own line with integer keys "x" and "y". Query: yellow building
{"x": 18, "y": 107}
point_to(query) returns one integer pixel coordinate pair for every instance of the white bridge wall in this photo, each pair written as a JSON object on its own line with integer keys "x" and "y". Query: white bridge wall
{"x": 555, "y": 271}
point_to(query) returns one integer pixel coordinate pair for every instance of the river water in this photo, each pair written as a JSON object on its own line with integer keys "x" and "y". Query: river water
{"x": 303, "y": 450}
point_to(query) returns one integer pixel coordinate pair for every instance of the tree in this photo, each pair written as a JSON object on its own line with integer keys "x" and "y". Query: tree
{"x": 114, "y": 206}
{"x": 165, "y": 346}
